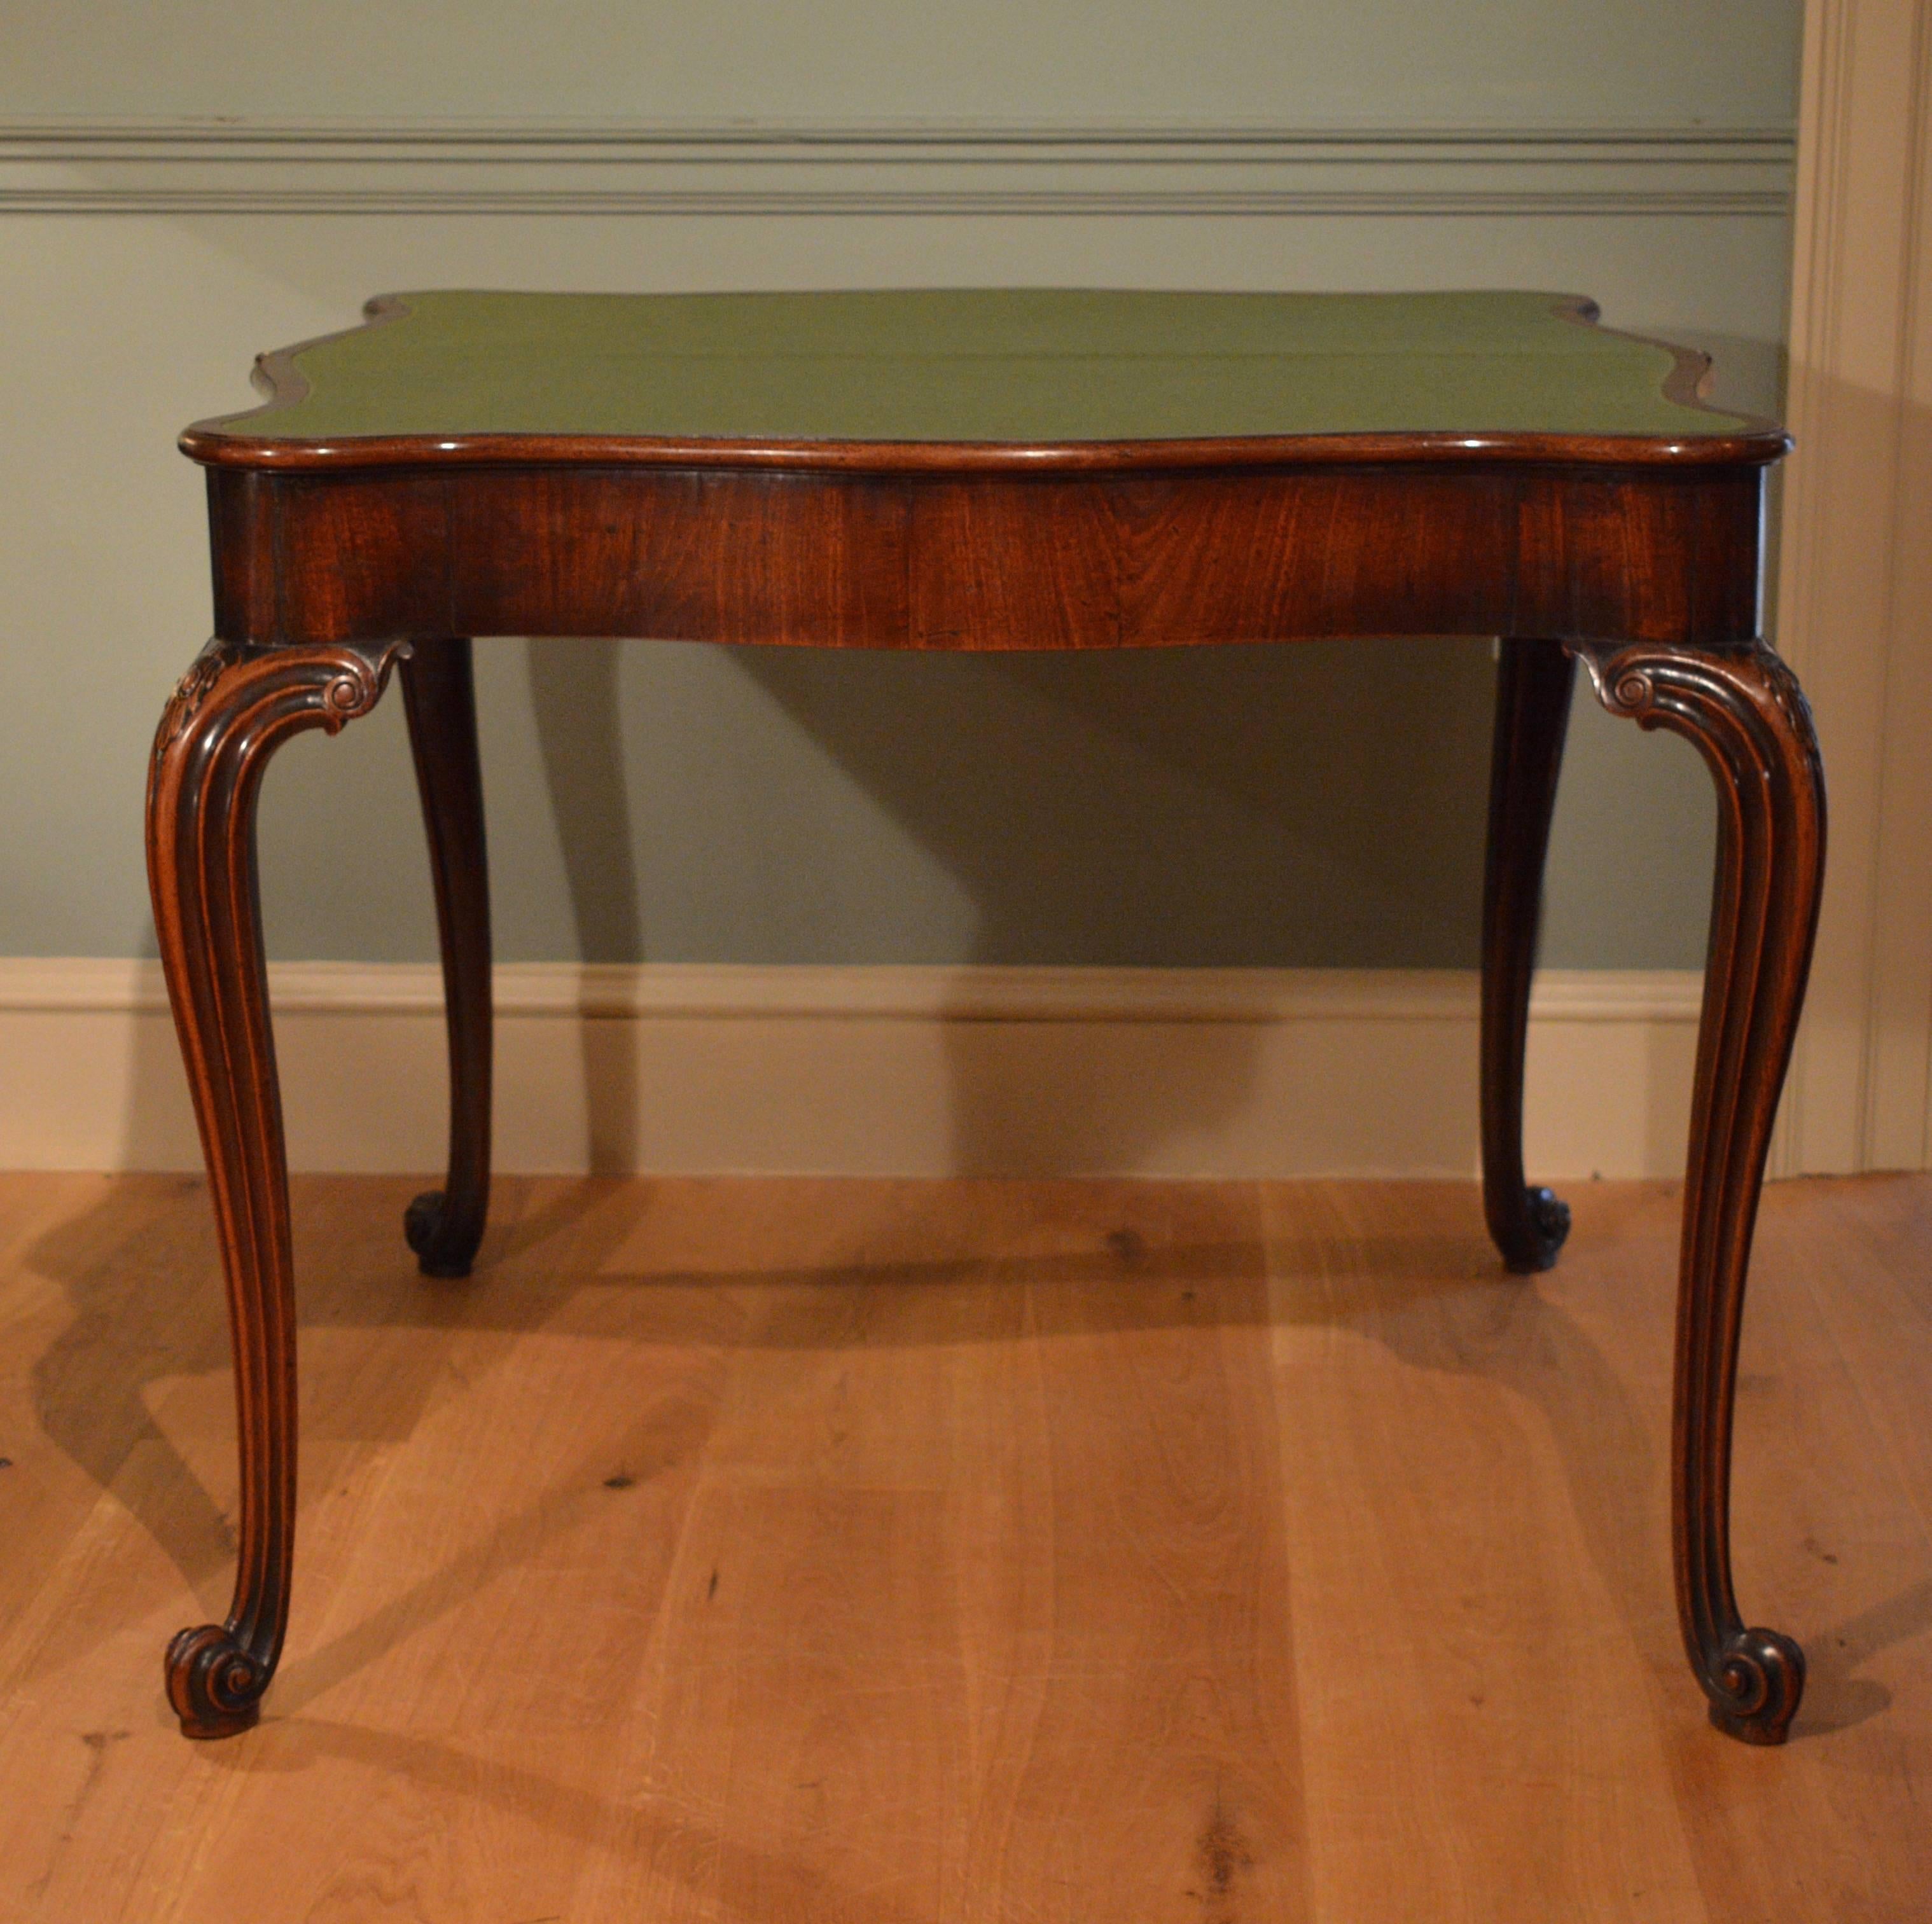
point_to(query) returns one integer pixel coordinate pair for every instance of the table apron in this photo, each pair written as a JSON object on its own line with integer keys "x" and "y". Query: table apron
{"x": 990, "y": 562}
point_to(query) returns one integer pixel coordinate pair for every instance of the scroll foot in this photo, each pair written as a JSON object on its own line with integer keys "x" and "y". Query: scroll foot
{"x": 214, "y": 1685}
{"x": 445, "y": 1243}
{"x": 1759, "y": 1685}
{"x": 1531, "y": 1242}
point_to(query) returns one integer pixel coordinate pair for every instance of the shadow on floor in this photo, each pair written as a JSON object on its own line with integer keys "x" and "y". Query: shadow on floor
{"x": 583, "y": 1257}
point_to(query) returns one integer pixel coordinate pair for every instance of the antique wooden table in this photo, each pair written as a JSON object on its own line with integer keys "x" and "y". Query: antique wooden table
{"x": 986, "y": 470}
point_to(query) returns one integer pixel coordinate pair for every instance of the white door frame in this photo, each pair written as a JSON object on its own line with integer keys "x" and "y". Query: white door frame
{"x": 1853, "y": 612}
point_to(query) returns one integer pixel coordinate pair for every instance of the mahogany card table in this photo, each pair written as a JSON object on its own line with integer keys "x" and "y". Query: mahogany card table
{"x": 993, "y": 469}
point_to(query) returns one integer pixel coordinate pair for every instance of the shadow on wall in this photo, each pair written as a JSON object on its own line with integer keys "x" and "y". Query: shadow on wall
{"x": 1271, "y": 806}
{"x": 574, "y": 694}
{"x": 1314, "y": 805}
{"x": 1309, "y": 805}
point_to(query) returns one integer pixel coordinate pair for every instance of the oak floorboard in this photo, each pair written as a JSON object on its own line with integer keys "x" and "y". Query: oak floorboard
{"x": 1451, "y": 1619}
{"x": 891, "y": 1553}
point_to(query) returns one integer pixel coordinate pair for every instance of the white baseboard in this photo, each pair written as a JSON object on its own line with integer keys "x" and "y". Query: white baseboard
{"x": 687, "y": 1068}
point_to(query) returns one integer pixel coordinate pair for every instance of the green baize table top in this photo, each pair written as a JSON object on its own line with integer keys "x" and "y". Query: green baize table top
{"x": 1036, "y": 366}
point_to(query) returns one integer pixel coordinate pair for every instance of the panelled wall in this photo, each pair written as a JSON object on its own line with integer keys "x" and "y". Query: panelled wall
{"x": 204, "y": 182}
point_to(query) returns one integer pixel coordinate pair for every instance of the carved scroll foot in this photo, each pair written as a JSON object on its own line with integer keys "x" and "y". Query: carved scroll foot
{"x": 231, "y": 712}
{"x": 214, "y": 1685}
{"x": 445, "y": 1227}
{"x": 1744, "y": 712}
{"x": 1760, "y": 1678}
{"x": 1533, "y": 680}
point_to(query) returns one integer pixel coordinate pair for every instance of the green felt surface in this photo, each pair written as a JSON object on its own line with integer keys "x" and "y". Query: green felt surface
{"x": 1030, "y": 365}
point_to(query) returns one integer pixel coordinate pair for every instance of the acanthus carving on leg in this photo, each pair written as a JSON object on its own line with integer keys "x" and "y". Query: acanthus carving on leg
{"x": 1533, "y": 680}
{"x": 231, "y": 710}
{"x": 1745, "y": 713}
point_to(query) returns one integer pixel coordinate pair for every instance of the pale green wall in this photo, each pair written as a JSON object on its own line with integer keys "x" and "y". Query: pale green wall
{"x": 1380, "y": 63}
{"x": 678, "y": 802}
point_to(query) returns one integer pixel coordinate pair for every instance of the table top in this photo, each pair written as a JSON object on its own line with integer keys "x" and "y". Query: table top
{"x": 1081, "y": 379}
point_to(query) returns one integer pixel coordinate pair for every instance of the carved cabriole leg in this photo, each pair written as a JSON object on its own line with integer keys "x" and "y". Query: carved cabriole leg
{"x": 1745, "y": 713}
{"x": 1533, "y": 683}
{"x": 231, "y": 712}
{"x": 444, "y": 1226}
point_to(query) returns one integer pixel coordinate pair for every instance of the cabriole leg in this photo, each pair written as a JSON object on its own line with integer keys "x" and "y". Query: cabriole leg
{"x": 1533, "y": 683}
{"x": 1745, "y": 713}
{"x": 445, "y": 1226}
{"x": 233, "y": 709}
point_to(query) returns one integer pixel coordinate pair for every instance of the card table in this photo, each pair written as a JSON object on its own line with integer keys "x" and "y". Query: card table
{"x": 1015, "y": 468}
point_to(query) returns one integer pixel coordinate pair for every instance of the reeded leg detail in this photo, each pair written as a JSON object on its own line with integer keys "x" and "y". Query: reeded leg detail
{"x": 445, "y": 1226}
{"x": 234, "y": 707}
{"x": 1746, "y": 714}
{"x": 1533, "y": 683}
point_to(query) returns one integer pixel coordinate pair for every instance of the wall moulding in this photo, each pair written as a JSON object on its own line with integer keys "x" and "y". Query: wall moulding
{"x": 82, "y": 166}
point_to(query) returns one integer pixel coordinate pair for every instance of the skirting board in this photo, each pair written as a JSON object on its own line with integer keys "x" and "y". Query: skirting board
{"x": 693, "y": 1068}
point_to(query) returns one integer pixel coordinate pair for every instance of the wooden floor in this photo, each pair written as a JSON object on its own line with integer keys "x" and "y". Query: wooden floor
{"x": 889, "y": 1552}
